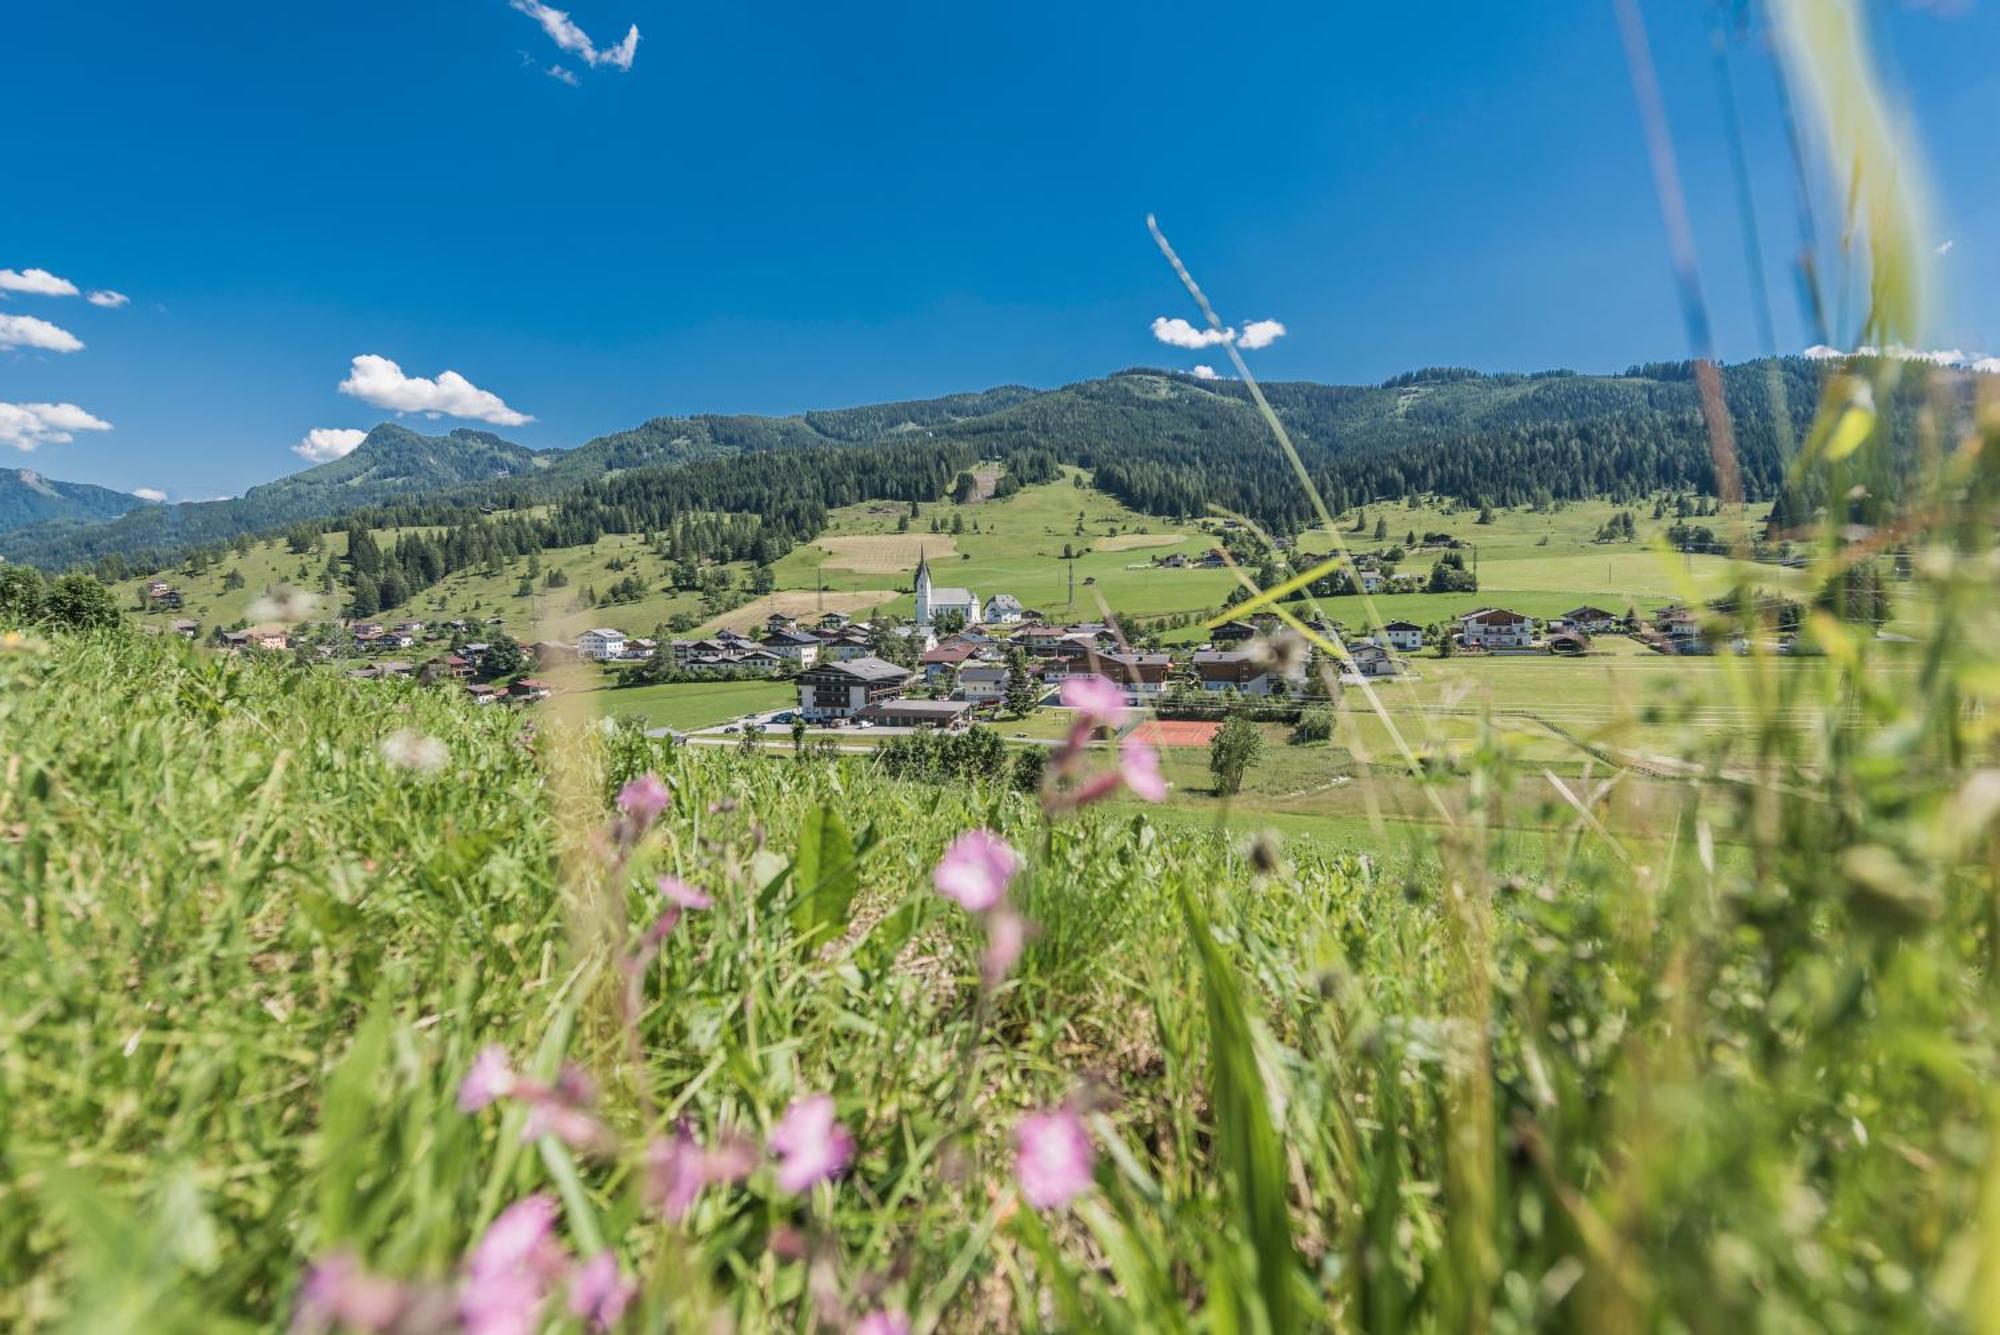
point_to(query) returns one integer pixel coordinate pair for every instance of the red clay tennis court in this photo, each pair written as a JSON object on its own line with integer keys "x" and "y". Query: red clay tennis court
{"x": 1176, "y": 732}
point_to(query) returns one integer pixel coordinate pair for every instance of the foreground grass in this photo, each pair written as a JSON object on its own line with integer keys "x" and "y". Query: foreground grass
{"x": 247, "y": 961}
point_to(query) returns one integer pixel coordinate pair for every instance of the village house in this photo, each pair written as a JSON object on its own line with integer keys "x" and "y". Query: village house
{"x": 1004, "y": 609}
{"x": 1232, "y": 632}
{"x": 1142, "y": 677}
{"x": 185, "y": 628}
{"x": 794, "y": 646}
{"x": 847, "y": 646}
{"x": 1406, "y": 636}
{"x": 448, "y": 667}
{"x": 601, "y": 644}
{"x": 830, "y": 691}
{"x": 834, "y": 621}
{"x": 982, "y": 684}
{"x": 941, "y": 663}
{"x": 1373, "y": 660}
{"x": 778, "y": 621}
{"x": 161, "y": 595}
{"x": 527, "y": 691}
{"x": 484, "y": 695}
{"x": 1242, "y": 671}
{"x": 1568, "y": 642}
{"x": 1591, "y": 620}
{"x": 946, "y": 714}
{"x": 1496, "y": 628}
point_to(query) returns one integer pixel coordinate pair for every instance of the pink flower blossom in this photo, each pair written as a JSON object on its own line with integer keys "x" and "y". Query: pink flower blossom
{"x": 682, "y": 895}
{"x": 574, "y": 1127}
{"x": 1006, "y": 934}
{"x": 976, "y": 869}
{"x": 490, "y": 1078}
{"x": 811, "y": 1146}
{"x": 511, "y": 1270}
{"x": 1139, "y": 767}
{"x": 522, "y": 1237}
{"x": 678, "y": 1167}
{"x": 883, "y": 1323}
{"x": 1053, "y": 1158}
{"x": 1097, "y": 702}
{"x": 644, "y": 798}
{"x": 338, "y": 1293}
{"x": 598, "y": 1293}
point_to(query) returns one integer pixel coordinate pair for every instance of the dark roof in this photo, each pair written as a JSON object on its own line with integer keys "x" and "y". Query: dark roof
{"x": 1401, "y": 625}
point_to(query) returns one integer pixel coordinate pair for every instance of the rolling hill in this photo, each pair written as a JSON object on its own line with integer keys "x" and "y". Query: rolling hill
{"x": 1162, "y": 442}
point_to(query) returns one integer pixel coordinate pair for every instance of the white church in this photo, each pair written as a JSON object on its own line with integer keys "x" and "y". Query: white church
{"x": 933, "y": 601}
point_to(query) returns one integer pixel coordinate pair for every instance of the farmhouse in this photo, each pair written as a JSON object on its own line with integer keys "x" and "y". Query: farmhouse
{"x": 160, "y": 594}
{"x": 934, "y": 601}
{"x": 940, "y": 663}
{"x": 528, "y": 690}
{"x": 601, "y": 644}
{"x": 1372, "y": 660}
{"x": 1233, "y": 670}
{"x": 1142, "y": 677}
{"x": 1497, "y": 628}
{"x": 842, "y": 690}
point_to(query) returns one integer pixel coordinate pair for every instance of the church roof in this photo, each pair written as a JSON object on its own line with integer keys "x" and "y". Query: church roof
{"x": 939, "y": 594}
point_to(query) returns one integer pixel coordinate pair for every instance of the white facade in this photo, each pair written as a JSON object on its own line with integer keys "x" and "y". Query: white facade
{"x": 1496, "y": 629}
{"x": 600, "y": 644}
{"x": 1004, "y": 609}
{"x": 1404, "y": 635}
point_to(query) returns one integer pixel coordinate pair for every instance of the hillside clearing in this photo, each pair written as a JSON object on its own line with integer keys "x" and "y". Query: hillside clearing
{"x": 1125, "y": 542}
{"x": 799, "y": 604}
{"x": 886, "y": 554}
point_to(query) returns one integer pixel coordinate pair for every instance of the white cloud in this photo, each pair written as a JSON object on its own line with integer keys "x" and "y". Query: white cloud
{"x": 379, "y": 381}
{"x": 1205, "y": 373}
{"x": 1261, "y": 334}
{"x": 25, "y": 331}
{"x": 1945, "y": 249}
{"x": 1179, "y": 333}
{"x": 110, "y": 300}
{"x": 563, "y": 74}
{"x": 153, "y": 494}
{"x": 1951, "y": 358}
{"x": 26, "y": 425}
{"x": 36, "y": 282}
{"x": 324, "y": 444}
{"x": 566, "y": 35}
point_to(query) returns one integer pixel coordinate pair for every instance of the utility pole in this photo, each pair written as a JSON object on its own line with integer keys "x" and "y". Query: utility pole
{"x": 1072, "y": 583}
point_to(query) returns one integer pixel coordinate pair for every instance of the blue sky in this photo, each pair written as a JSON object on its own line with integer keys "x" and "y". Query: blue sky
{"x": 783, "y": 206}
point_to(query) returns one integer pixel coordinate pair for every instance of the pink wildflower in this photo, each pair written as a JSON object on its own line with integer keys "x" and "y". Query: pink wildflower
{"x": 976, "y": 869}
{"x": 811, "y": 1146}
{"x": 1097, "y": 702}
{"x": 1139, "y": 767}
{"x": 337, "y": 1292}
{"x": 598, "y": 1293}
{"x": 574, "y": 1127}
{"x": 677, "y": 1168}
{"x": 883, "y": 1323}
{"x": 1006, "y": 934}
{"x": 644, "y": 798}
{"x": 510, "y": 1271}
{"x": 490, "y": 1078}
{"x": 682, "y": 895}
{"x": 1053, "y": 1158}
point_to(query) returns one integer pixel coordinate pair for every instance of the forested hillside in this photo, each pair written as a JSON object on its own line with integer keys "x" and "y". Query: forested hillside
{"x": 1164, "y": 443}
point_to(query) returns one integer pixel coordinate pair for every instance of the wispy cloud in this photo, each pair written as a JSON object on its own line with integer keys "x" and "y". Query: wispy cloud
{"x": 1178, "y": 333}
{"x": 563, "y": 74}
{"x": 1205, "y": 373}
{"x": 25, "y": 331}
{"x": 26, "y": 425}
{"x": 111, "y": 301}
{"x": 36, "y": 282}
{"x": 379, "y": 381}
{"x": 566, "y": 35}
{"x": 324, "y": 444}
{"x": 1946, "y": 248}
{"x": 153, "y": 494}
{"x": 1261, "y": 334}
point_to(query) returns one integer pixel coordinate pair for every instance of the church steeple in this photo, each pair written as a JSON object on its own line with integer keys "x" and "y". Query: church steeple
{"x": 923, "y": 588}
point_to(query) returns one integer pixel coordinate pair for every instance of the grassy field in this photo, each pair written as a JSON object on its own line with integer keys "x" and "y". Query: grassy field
{"x": 1493, "y": 1069}
{"x": 694, "y": 704}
